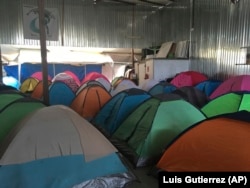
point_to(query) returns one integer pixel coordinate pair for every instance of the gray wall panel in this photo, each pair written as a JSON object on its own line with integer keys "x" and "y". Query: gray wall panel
{"x": 86, "y": 25}
{"x": 220, "y": 30}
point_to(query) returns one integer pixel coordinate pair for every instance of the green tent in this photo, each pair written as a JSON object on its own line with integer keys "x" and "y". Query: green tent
{"x": 145, "y": 133}
{"x": 14, "y": 112}
{"x": 8, "y": 97}
{"x": 227, "y": 103}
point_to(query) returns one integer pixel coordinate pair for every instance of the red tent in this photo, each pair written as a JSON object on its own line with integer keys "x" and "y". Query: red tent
{"x": 188, "y": 78}
{"x": 94, "y": 76}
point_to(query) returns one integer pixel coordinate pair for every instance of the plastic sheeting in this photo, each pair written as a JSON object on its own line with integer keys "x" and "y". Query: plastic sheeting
{"x": 27, "y": 69}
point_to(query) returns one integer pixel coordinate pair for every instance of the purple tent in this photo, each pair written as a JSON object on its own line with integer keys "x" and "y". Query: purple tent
{"x": 235, "y": 83}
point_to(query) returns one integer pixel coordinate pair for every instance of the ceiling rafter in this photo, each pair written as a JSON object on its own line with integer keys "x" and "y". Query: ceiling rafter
{"x": 125, "y": 2}
{"x": 153, "y": 3}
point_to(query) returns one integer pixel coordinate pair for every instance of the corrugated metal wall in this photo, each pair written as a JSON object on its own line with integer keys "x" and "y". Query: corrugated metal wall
{"x": 220, "y": 29}
{"x": 83, "y": 24}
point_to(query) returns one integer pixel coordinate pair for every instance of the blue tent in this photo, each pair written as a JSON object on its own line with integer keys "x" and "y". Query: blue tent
{"x": 208, "y": 86}
{"x": 11, "y": 81}
{"x": 60, "y": 93}
{"x": 117, "y": 109}
{"x": 162, "y": 87}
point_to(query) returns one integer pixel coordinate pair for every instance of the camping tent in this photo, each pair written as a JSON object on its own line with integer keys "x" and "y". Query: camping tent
{"x": 219, "y": 144}
{"x": 11, "y": 81}
{"x": 4, "y": 87}
{"x": 15, "y": 111}
{"x": 105, "y": 83}
{"x": 87, "y": 83}
{"x": 39, "y": 76}
{"x": 188, "y": 78}
{"x": 7, "y": 97}
{"x": 60, "y": 93}
{"x": 55, "y": 147}
{"x": 232, "y": 84}
{"x": 74, "y": 76}
{"x": 28, "y": 85}
{"x": 68, "y": 79}
{"x": 118, "y": 108}
{"x": 208, "y": 86}
{"x": 192, "y": 95}
{"x": 117, "y": 80}
{"x": 162, "y": 87}
{"x": 227, "y": 103}
{"x": 89, "y": 101}
{"x": 93, "y": 76}
{"x": 121, "y": 85}
{"x": 143, "y": 135}
{"x": 37, "y": 93}
{"x": 147, "y": 84}
{"x": 99, "y": 81}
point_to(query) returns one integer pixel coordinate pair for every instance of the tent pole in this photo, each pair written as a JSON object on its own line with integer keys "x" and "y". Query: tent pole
{"x": 43, "y": 52}
{"x": 1, "y": 66}
{"x": 132, "y": 32}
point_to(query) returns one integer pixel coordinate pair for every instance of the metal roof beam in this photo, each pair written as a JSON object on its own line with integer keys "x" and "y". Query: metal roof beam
{"x": 124, "y": 2}
{"x": 153, "y": 3}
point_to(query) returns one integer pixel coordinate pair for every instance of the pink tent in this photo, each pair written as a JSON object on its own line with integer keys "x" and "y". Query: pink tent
{"x": 67, "y": 79}
{"x": 39, "y": 76}
{"x": 94, "y": 76}
{"x": 235, "y": 83}
{"x": 73, "y": 75}
{"x": 188, "y": 78}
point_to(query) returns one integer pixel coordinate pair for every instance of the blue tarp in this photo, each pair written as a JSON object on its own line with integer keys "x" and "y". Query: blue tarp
{"x": 27, "y": 69}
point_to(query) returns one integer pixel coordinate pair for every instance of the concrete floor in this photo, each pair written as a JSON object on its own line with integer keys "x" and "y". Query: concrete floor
{"x": 145, "y": 180}
{"x": 144, "y": 176}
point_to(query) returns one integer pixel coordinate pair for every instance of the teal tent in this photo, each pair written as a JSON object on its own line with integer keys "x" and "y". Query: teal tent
{"x": 60, "y": 93}
{"x": 161, "y": 87}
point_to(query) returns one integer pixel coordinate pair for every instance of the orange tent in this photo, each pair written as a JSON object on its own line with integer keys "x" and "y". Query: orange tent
{"x": 90, "y": 100}
{"x": 37, "y": 93}
{"x": 218, "y": 144}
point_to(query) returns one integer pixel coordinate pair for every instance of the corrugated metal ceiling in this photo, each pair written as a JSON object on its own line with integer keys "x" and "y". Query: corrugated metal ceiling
{"x": 154, "y": 3}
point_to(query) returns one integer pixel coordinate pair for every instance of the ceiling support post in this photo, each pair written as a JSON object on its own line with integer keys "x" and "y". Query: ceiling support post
{"x": 43, "y": 51}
